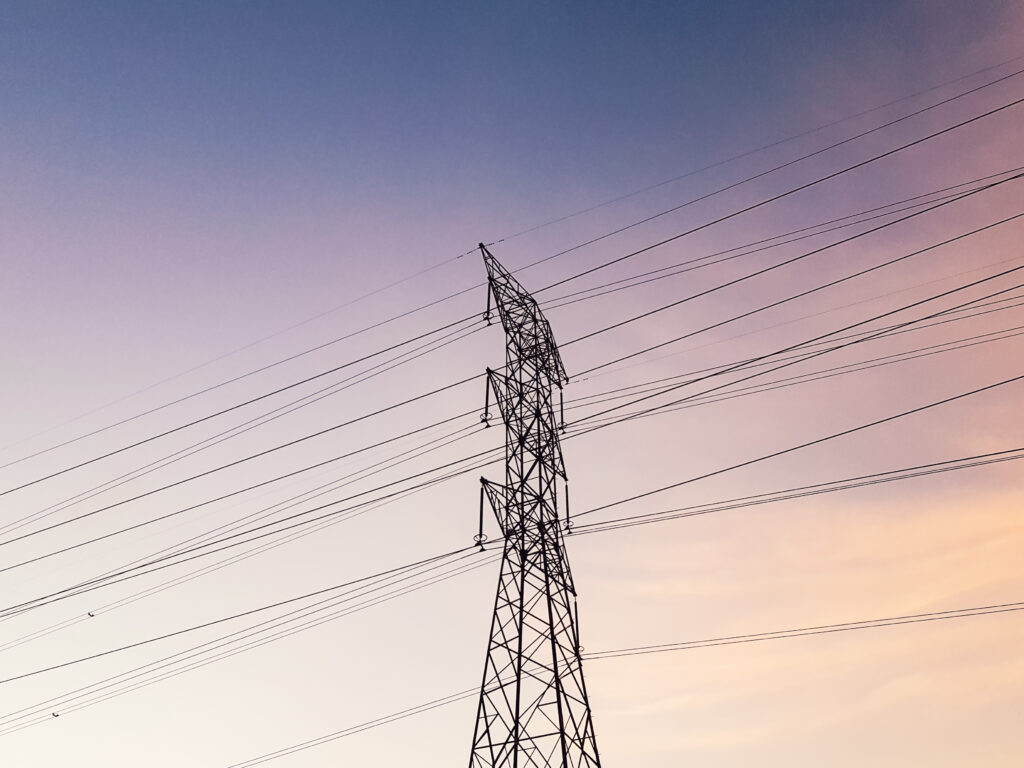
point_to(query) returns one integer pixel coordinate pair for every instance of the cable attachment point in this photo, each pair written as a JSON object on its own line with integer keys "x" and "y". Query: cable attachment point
{"x": 561, "y": 410}
{"x": 481, "y": 537}
{"x": 486, "y": 415}
{"x": 487, "y": 312}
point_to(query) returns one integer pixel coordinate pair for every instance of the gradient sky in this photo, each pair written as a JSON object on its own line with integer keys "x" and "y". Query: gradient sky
{"x": 190, "y": 191}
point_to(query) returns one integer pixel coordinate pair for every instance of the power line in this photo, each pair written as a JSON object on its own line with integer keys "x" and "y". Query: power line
{"x": 803, "y": 491}
{"x": 765, "y": 244}
{"x": 221, "y": 646}
{"x": 770, "y": 385}
{"x": 229, "y": 434}
{"x": 795, "y": 296}
{"x": 889, "y": 476}
{"x": 354, "y": 729}
{"x": 860, "y": 481}
{"x": 210, "y": 568}
{"x": 959, "y": 315}
{"x": 626, "y": 404}
{"x": 435, "y": 266}
{"x": 810, "y": 443}
{"x": 779, "y": 635}
{"x": 228, "y": 465}
{"x": 233, "y": 617}
{"x": 160, "y": 562}
{"x": 236, "y": 406}
{"x": 812, "y": 341}
{"x": 777, "y": 453}
{"x": 619, "y": 324}
{"x": 588, "y": 271}
{"x": 747, "y": 153}
{"x": 779, "y": 196}
{"x": 576, "y": 247}
{"x": 58, "y": 595}
{"x": 832, "y": 372}
{"x": 916, "y": 618}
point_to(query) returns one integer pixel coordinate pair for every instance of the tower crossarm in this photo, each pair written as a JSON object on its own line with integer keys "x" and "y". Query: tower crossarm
{"x": 523, "y": 321}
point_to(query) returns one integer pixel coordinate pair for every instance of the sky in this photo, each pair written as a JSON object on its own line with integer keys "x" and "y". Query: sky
{"x": 205, "y": 203}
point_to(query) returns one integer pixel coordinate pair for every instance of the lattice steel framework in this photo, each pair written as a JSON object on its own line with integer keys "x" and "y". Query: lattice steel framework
{"x": 534, "y": 711}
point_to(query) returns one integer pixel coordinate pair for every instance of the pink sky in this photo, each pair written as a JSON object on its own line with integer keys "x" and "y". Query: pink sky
{"x": 180, "y": 185}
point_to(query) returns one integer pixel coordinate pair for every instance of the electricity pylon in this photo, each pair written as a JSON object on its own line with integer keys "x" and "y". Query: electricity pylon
{"x": 534, "y": 711}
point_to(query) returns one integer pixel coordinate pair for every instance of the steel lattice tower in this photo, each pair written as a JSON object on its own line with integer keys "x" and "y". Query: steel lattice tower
{"x": 533, "y": 711}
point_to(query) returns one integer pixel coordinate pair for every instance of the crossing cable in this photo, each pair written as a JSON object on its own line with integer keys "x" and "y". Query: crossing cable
{"x": 810, "y": 443}
{"x": 48, "y": 598}
{"x": 177, "y": 483}
{"x": 590, "y": 270}
{"x": 827, "y": 373}
{"x": 795, "y": 346}
{"x": 765, "y": 244}
{"x": 689, "y": 298}
{"x": 190, "y": 450}
{"x": 643, "y": 315}
{"x": 786, "y": 262}
{"x": 967, "y": 311}
{"x": 944, "y": 466}
{"x": 815, "y": 340}
{"x": 855, "y": 325}
{"x": 820, "y": 375}
{"x": 773, "y": 198}
{"x": 827, "y": 350}
{"x": 634, "y": 224}
{"x": 651, "y": 385}
{"x": 235, "y": 431}
{"x": 901, "y": 357}
{"x": 206, "y": 569}
{"x": 236, "y": 406}
{"x": 450, "y": 439}
{"x": 877, "y": 478}
{"x": 752, "y": 363}
{"x": 161, "y": 563}
{"x": 440, "y": 264}
{"x": 958, "y": 315}
{"x": 778, "y": 385}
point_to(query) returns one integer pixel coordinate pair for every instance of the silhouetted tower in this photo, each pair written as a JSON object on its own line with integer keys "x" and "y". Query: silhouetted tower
{"x": 534, "y": 711}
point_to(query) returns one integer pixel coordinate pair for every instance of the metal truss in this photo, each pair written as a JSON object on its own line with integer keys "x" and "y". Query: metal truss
{"x": 533, "y": 711}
